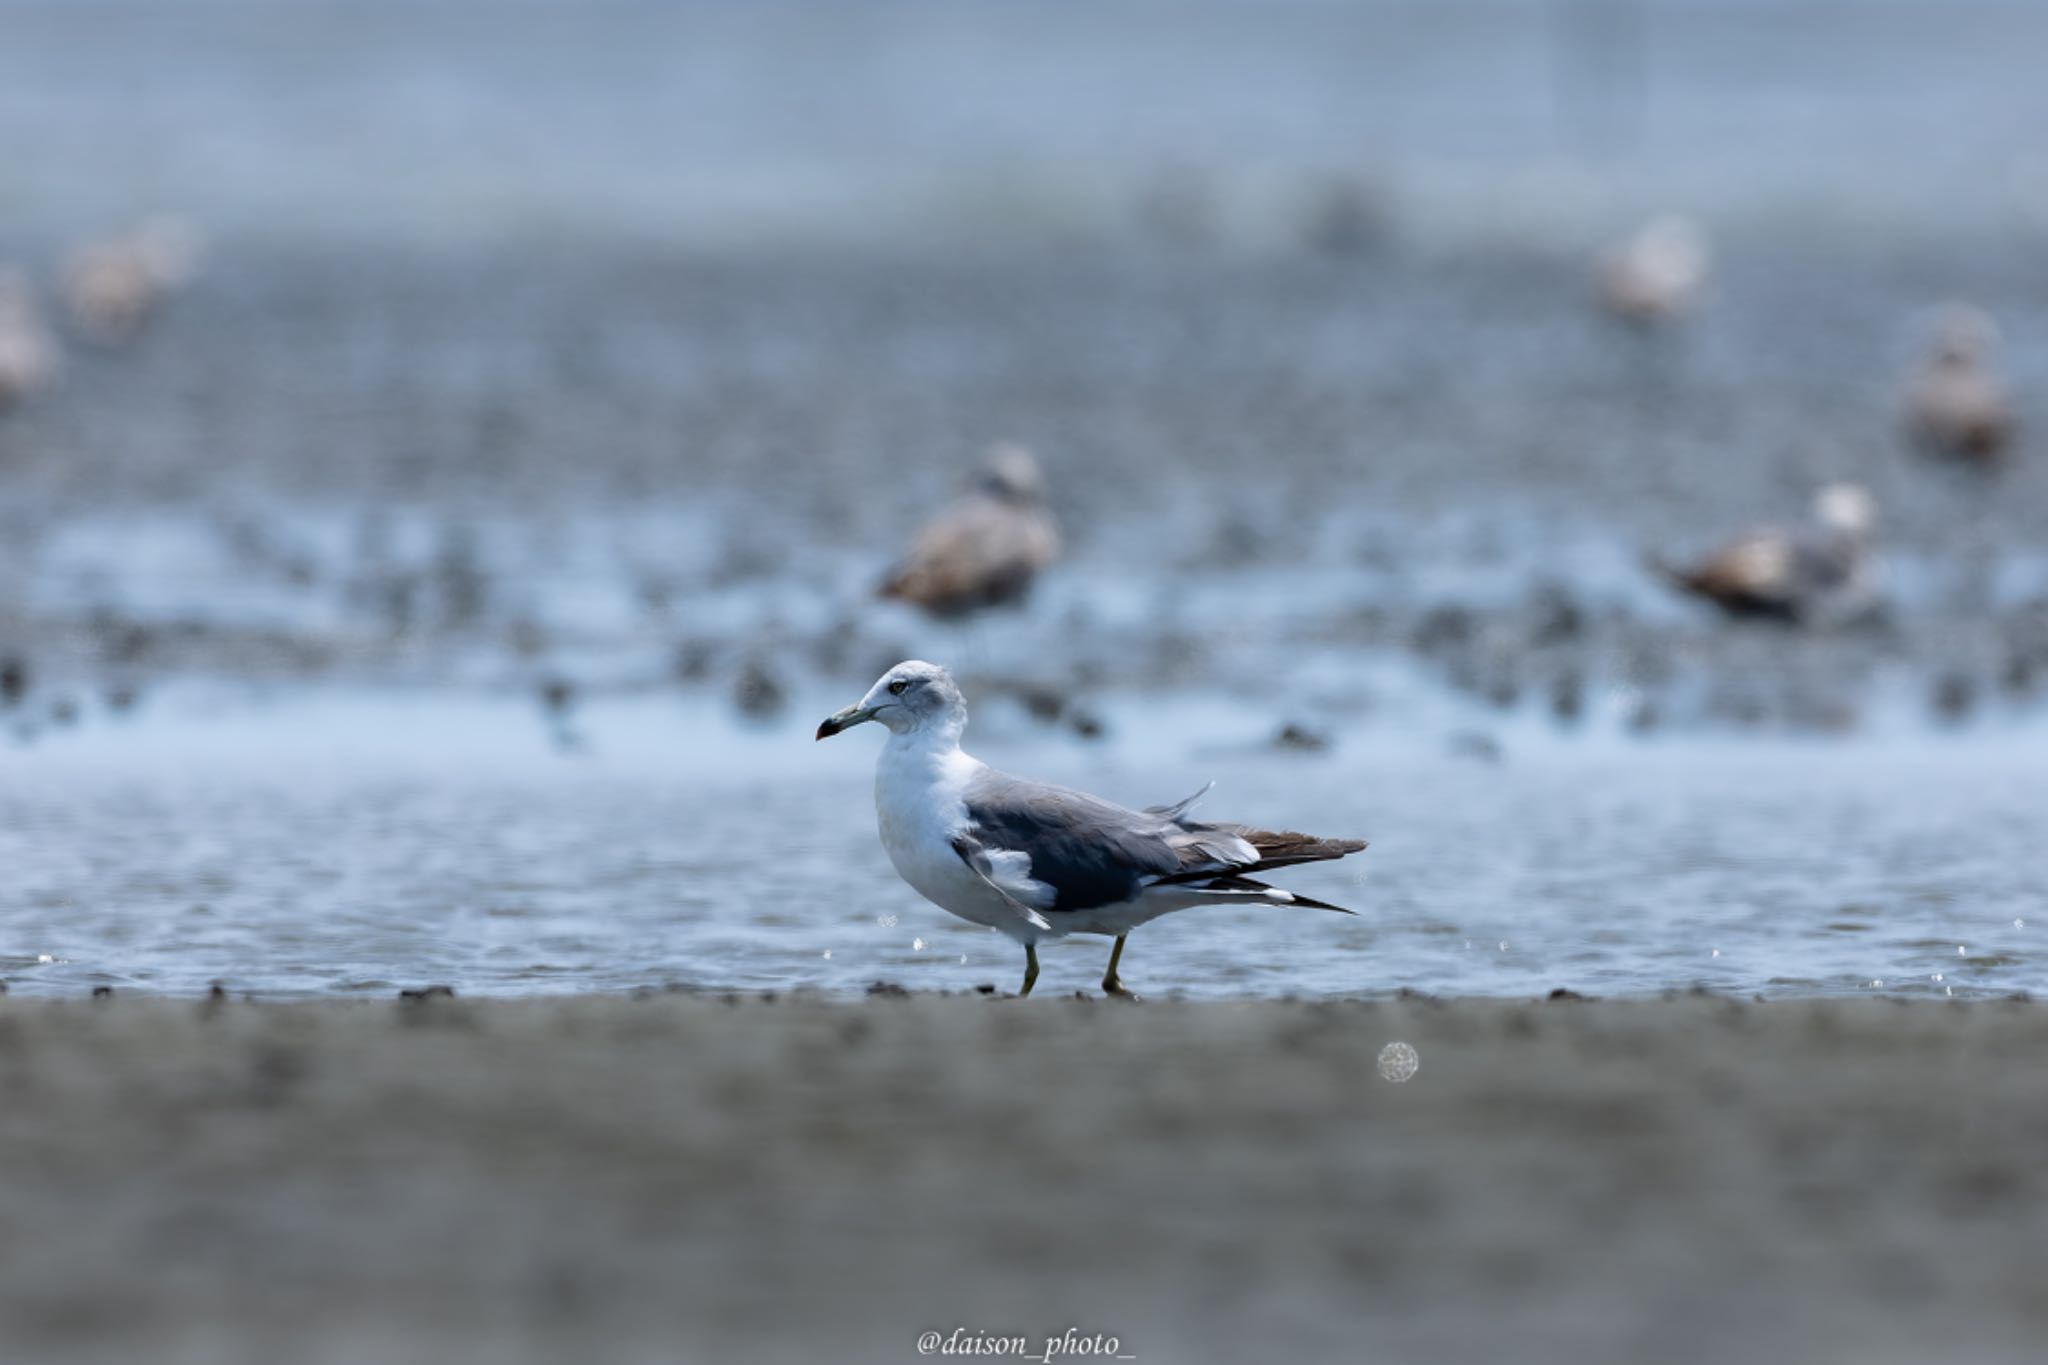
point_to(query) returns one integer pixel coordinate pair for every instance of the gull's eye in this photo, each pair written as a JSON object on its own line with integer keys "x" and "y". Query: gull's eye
{"x": 896, "y": 688}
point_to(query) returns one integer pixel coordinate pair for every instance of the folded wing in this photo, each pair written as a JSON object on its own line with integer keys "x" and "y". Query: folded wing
{"x": 1079, "y": 852}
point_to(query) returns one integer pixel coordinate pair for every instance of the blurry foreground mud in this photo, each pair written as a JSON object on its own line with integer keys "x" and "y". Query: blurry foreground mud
{"x": 676, "y": 1177}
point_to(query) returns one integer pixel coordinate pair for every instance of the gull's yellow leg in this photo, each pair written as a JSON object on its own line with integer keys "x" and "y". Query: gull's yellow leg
{"x": 1110, "y": 983}
{"x": 1030, "y": 969}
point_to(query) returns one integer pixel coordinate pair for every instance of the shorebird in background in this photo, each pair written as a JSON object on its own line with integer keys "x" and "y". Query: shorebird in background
{"x": 1956, "y": 407}
{"x": 1653, "y": 276}
{"x": 28, "y": 353}
{"x": 985, "y": 549}
{"x": 112, "y": 287}
{"x": 1036, "y": 861}
{"x": 1819, "y": 574}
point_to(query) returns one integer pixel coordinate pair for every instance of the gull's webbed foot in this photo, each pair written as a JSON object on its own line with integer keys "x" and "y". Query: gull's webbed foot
{"x": 1111, "y": 983}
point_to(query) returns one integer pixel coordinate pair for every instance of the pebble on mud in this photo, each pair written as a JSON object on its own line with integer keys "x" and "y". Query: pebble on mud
{"x": 1298, "y": 738}
{"x": 1474, "y": 745}
{"x": 1954, "y": 696}
{"x": 1346, "y": 217}
{"x": 757, "y": 693}
{"x": 1568, "y": 697}
{"x": 13, "y": 681}
{"x": 1442, "y": 627}
{"x": 557, "y": 694}
{"x": 1555, "y": 616}
{"x": 1087, "y": 724}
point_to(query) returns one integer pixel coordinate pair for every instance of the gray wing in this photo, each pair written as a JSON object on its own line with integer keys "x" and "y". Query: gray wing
{"x": 1089, "y": 851}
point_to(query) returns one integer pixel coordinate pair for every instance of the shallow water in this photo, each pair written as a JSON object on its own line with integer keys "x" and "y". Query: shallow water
{"x": 362, "y": 843}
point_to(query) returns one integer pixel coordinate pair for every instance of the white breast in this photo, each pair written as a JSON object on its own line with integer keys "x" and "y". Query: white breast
{"x": 921, "y": 810}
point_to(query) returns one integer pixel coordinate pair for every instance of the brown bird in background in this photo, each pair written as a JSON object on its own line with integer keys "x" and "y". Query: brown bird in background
{"x": 28, "y": 353}
{"x": 1956, "y": 407}
{"x": 1821, "y": 573}
{"x": 111, "y": 287}
{"x": 985, "y": 549}
{"x": 1651, "y": 277}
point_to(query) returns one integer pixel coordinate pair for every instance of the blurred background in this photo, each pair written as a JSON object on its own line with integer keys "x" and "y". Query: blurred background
{"x": 449, "y": 453}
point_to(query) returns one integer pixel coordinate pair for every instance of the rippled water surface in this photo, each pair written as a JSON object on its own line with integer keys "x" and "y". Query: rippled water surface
{"x": 362, "y": 844}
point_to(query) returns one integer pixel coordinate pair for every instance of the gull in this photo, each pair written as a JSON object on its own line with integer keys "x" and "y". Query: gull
{"x": 1039, "y": 862}
{"x": 1652, "y": 277}
{"x": 1819, "y": 573}
{"x": 985, "y": 549}
{"x": 1956, "y": 405}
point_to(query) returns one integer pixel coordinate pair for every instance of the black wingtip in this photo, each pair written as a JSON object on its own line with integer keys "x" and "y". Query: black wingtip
{"x": 1240, "y": 883}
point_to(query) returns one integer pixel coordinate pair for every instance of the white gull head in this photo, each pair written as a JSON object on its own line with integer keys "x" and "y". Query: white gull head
{"x": 1010, "y": 473}
{"x": 1846, "y": 509}
{"x": 913, "y": 698}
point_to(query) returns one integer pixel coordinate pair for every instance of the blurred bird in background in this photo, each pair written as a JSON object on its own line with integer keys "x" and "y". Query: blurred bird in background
{"x": 984, "y": 550}
{"x": 28, "y": 353}
{"x": 1653, "y": 277}
{"x": 1956, "y": 407}
{"x": 112, "y": 287}
{"x": 1823, "y": 573}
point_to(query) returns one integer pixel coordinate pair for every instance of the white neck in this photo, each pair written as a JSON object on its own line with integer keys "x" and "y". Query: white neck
{"x": 920, "y": 776}
{"x": 935, "y": 741}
